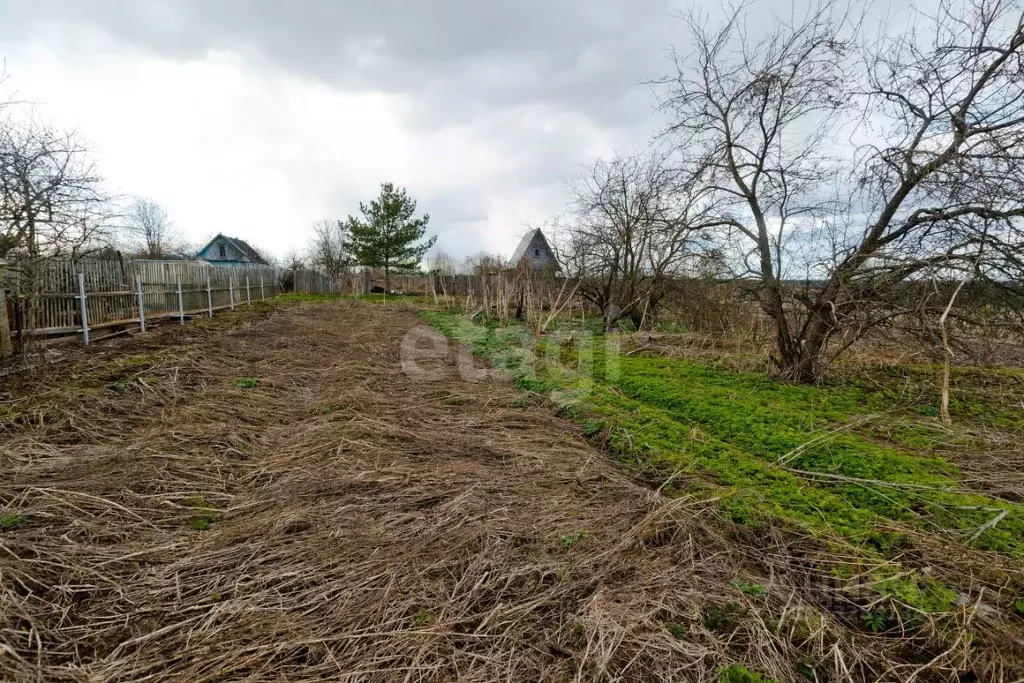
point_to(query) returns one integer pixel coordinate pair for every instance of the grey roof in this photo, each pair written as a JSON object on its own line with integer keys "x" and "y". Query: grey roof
{"x": 242, "y": 246}
{"x": 524, "y": 244}
{"x": 247, "y": 249}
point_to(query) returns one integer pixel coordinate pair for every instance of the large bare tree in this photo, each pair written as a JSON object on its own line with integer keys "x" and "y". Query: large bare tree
{"x": 635, "y": 223}
{"x": 149, "y": 230}
{"x": 326, "y": 252}
{"x": 941, "y": 114}
{"x": 51, "y": 198}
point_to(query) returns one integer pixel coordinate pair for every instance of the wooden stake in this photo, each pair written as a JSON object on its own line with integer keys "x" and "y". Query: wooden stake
{"x": 142, "y": 304}
{"x": 209, "y": 296}
{"x": 181, "y": 305}
{"x": 947, "y": 353}
{"x": 85, "y": 308}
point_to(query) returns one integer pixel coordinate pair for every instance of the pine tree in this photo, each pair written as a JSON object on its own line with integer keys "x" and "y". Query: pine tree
{"x": 387, "y": 237}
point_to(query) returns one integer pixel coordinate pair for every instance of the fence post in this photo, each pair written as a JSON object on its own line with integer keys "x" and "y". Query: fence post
{"x": 248, "y": 299}
{"x": 209, "y": 296}
{"x": 142, "y": 304}
{"x": 231, "y": 289}
{"x": 263, "y": 294}
{"x": 181, "y": 305}
{"x": 84, "y": 307}
{"x": 6, "y": 345}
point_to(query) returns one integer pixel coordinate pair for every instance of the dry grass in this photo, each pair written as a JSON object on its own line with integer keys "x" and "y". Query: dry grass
{"x": 343, "y": 520}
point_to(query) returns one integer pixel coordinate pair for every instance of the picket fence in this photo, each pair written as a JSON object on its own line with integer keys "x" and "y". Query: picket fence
{"x": 366, "y": 281}
{"x": 53, "y": 297}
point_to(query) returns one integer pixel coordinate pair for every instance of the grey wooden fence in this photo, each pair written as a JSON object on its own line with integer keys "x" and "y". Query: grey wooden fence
{"x": 52, "y": 297}
{"x": 312, "y": 282}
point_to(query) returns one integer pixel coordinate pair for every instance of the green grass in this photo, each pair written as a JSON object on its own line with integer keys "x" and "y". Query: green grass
{"x": 752, "y": 433}
{"x": 570, "y": 540}
{"x": 737, "y": 673}
{"x": 849, "y": 459}
{"x": 8, "y": 522}
{"x": 246, "y": 382}
{"x": 746, "y": 587}
{"x": 298, "y": 297}
{"x": 205, "y": 515}
{"x": 422, "y": 618}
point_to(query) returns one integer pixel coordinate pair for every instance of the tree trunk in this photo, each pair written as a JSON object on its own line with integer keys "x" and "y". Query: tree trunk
{"x": 612, "y": 313}
{"x": 802, "y": 363}
{"x": 803, "y": 360}
{"x": 6, "y": 347}
{"x": 387, "y": 278}
{"x": 637, "y": 318}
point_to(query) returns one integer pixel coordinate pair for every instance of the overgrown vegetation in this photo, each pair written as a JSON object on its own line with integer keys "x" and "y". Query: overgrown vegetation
{"x": 848, "y": 464}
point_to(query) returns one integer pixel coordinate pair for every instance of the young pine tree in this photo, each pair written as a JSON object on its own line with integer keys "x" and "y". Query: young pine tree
{"x": 389, "y": 235}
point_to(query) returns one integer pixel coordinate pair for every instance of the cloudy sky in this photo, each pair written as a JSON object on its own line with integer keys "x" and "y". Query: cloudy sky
{"x": 257, "y": 117}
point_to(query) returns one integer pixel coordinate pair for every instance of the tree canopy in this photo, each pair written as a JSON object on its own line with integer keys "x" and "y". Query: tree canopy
{"x": 389, "y": 234}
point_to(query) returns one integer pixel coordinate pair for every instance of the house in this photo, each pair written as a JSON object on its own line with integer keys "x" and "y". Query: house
{"x": 533, "y": 250}
{"x": 230, "y": 251}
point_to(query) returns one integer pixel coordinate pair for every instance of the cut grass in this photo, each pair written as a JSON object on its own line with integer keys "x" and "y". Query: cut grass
{"x": 842, "y": 460}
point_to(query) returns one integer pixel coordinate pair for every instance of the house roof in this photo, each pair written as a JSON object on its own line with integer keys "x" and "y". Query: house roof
{"x": 241, "y": 245}
{"x": 524, "y": 244}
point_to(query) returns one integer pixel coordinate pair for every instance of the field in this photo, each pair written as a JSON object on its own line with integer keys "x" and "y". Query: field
{"x": 280, "y": 494}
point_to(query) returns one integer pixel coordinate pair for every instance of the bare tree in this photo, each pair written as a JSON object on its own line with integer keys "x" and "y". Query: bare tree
{"x": 483, "y": 263}
{"x": 442, "y": 263}
{"x": 636, "y": 222}
{"x": 51, "y": 202}
{"x": 149, "y": 230}
{"x": 942, "y": 117}
{"x": 943, "y": 185}
{"x": 326, "y": 251}
{"x": 758, "y": 112}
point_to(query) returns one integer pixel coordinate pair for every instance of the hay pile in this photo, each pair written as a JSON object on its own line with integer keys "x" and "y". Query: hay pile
{"x": 343, "y": 520}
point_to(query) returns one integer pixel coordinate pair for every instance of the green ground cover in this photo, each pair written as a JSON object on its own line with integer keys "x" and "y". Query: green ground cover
{"x": 848, "y": 460}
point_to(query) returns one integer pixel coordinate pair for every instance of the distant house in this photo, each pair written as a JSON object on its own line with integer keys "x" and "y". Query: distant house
{"x": 230, "y": 251}
{"x": 533, "y": 250}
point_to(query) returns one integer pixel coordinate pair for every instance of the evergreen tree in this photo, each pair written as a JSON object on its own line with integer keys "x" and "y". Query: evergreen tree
{"x": 387, "y": 237}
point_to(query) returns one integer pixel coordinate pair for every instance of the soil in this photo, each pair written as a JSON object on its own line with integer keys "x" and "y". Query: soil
{"x": 280, "y": 499}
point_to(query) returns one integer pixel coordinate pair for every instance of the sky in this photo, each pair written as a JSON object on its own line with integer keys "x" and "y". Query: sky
{"x": 256, "y": 118}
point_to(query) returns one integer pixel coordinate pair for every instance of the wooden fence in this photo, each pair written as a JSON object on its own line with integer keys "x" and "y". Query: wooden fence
{"x": 366, "y": 281}
{"x": 312, "y": 282}
{"x": 52, "y": 297}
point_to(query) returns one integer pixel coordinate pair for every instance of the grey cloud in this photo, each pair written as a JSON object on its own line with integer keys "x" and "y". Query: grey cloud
{"x": 491, "y": 66}
{"x": 586, "y": 55}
